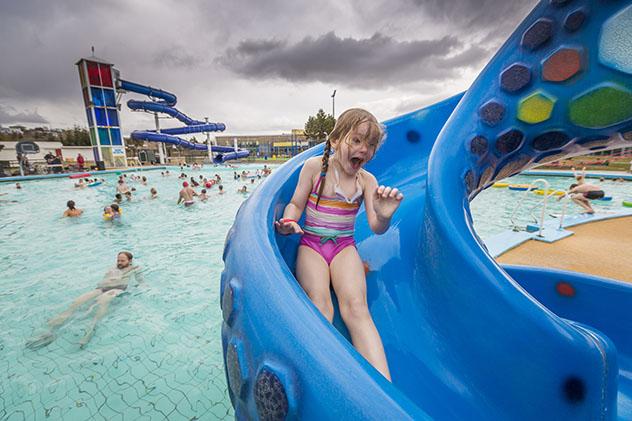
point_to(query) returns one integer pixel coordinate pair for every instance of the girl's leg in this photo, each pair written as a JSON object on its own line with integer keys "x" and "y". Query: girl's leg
{"x": 312, "y": 273}
{"x": 349, "y": 282}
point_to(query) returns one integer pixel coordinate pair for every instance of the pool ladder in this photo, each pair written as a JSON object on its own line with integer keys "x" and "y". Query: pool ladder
{"x": 545, "y": 197}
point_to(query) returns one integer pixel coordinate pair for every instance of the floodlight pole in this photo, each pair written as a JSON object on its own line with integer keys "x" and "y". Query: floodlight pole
{"x": 333, "y": 104}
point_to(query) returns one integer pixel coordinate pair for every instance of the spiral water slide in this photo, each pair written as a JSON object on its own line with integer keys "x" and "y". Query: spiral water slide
{"x": 164, "y": 102}
{"x": 464, "y": 337}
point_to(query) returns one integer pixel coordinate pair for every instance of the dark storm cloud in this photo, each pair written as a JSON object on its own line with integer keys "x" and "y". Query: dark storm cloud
{"x": 475, "y": 14}
{"x": 329, "y": 58}
{"x": 9, "y": 115}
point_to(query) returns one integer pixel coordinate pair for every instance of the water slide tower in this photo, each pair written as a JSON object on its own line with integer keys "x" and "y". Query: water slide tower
{"x": 99, "y": 97}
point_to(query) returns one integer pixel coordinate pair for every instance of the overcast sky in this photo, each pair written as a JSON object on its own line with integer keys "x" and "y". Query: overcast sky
{"x": 257, "y": 66}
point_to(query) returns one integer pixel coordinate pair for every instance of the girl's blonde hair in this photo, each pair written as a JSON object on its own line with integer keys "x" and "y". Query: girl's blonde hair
{"x": 347, "y": 122}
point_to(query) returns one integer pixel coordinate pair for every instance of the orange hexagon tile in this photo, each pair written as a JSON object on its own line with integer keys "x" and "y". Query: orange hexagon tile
{"x": 562, "y": 65}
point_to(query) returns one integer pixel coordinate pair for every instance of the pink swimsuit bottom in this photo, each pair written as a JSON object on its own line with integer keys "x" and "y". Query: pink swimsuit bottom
{"x": 328, "y": 247}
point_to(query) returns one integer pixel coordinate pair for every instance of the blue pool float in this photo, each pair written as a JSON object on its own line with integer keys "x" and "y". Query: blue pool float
{"x": 464, "y": 337}
{"x": 96, "y": 183}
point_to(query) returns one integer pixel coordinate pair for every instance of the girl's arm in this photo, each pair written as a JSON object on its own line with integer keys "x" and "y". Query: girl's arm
{"x": 380, "y": 203}
{"x": 295, "y": 208}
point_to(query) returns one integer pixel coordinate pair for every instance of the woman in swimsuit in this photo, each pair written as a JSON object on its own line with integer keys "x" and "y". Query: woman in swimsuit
{"x": 327, "y": 254}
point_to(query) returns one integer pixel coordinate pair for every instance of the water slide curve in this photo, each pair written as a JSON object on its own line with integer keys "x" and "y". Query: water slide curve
{"x": 465, "y": 338}
{"x": 164, "y": 103}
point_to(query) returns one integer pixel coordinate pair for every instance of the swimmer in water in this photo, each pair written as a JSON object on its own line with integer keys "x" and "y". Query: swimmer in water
{"x": 18, "y": 186}
{"x": 114, "y": 283}
{"x": 244, "y": 189}
{"x": 116, "y": 211}
{"x": 221, "y": 189}
{"x": 203, "y": 196}
{"x": 154, "y": 193}
{"x": 72, "y": 211}
{"x": 128, "y": 196}
{"x": 118, "y": 198}
{"x": 186, "y": 195}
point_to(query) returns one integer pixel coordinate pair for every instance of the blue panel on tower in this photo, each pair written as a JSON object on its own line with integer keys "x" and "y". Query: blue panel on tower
{"x": 97, "y": 97}
{"x": 115, "y": 135}
{"x": 110, "y": 98}
{"x": 100, "y": 116}
{"x": 112, "y": 118}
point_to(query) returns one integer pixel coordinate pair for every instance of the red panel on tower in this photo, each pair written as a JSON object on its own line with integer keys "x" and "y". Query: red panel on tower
{"x": 93, "y": 73}
{"x": 106, "y": 75}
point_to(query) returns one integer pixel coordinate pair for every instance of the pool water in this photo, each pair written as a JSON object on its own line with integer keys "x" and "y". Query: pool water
{"x": 157, "y": 353}
{"x": 492, "y": 209}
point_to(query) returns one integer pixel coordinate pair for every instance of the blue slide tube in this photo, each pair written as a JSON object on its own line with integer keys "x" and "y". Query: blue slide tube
{"x": 464, "y": 337}
{"x": 164, "y": 104}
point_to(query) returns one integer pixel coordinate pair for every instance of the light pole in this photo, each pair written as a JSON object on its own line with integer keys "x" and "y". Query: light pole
{"x": 333, "y": 104}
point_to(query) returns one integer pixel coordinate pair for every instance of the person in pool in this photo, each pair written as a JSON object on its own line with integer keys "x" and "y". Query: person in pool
{"x": 203, "y": 196}
{"x": 118, "y": 198}
{"x": 154, "y": 193}
{"x": 18, "y": 186}
{"x": 221, "y": 189}
{"x": 582, "y": 194}
{"x": 72, "y": 211}
{"x": 580, "y": 176}
{"x": 327, "y": 254}
{"x": 186, "y": 195}
{"x": 114, "y": 283}
{"x": 122, "y": 186}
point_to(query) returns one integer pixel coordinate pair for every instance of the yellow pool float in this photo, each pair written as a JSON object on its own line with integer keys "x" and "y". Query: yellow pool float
{"x": 550, "y": 192}
{"x": 500, "y": 185}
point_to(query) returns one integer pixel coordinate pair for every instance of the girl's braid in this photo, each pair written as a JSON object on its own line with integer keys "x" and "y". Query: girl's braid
{"x": 323, "y": 169}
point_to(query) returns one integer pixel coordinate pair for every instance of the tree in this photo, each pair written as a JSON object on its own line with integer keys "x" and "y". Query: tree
{"x": 77, "y": 136}
{"x": 319, "y": 126}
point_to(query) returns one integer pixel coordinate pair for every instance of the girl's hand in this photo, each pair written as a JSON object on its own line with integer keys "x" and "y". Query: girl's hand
{"x": 386, "y": 200}
{"x": 287, "y": 226}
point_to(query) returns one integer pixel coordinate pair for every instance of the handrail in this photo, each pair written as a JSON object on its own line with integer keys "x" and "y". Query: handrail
{"x": 518, "y": 205}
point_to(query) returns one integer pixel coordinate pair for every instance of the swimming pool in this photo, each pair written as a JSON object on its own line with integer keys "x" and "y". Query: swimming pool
{"x": 157, "y": 354}
{"x": 492, "y": 209}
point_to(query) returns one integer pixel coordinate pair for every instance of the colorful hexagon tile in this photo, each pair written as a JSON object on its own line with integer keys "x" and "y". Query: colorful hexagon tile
{"x": 515, "y": 77}
{"x": 575, "y": 20}
{"x": 536, "y": 108}
{"x": 491, "y": 113}
{"x": 601, "y": 107}
{"x": 537, "y": 34}
{"x": 562, "y": 65}
{"x": 615, "y": 44}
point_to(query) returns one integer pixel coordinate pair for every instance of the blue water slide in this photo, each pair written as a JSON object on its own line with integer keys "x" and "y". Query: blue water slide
{"x": 464, "y": 337}
{"x": 163, "y": 102}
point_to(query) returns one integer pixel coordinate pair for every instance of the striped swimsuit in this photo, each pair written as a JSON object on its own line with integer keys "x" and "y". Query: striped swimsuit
{"x": 329, "y": 227}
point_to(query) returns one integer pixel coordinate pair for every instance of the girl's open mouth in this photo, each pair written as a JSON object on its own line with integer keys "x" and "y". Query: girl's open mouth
{"x": 356, "y": 163}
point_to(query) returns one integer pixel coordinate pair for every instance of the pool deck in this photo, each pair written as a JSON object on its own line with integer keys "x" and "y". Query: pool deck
{"x": 599, "y": 248}
{"x": 68, "y": 174}
{"x": 501, "y": 243}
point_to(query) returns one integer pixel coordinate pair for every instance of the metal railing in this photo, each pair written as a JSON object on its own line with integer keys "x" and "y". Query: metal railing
{"x": 531, "y": 187}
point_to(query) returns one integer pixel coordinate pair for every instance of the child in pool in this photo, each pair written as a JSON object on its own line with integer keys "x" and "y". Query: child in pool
{"x": 327, "y": 253}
